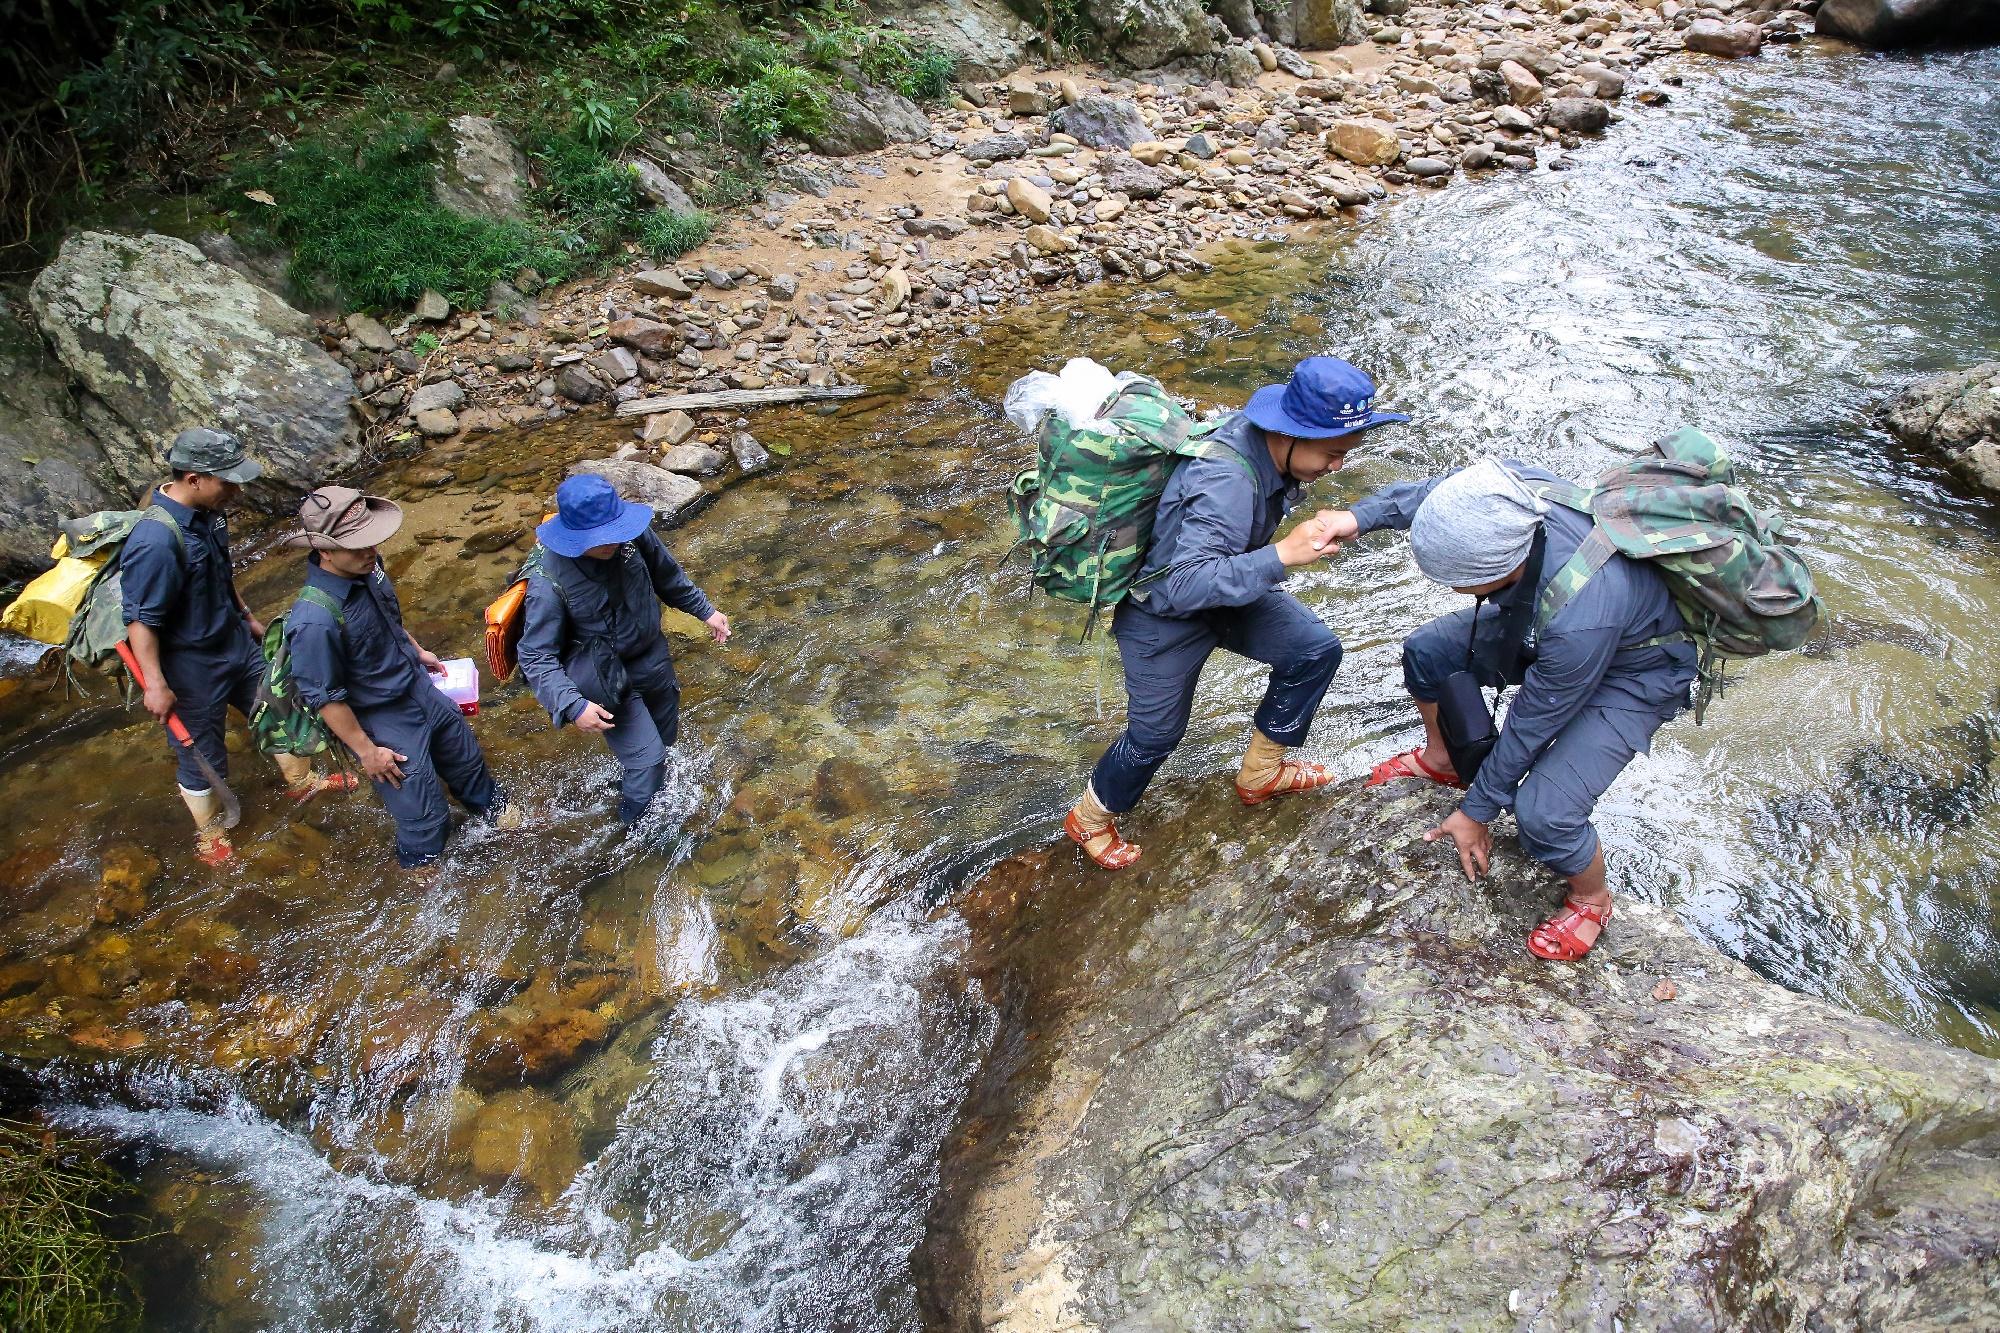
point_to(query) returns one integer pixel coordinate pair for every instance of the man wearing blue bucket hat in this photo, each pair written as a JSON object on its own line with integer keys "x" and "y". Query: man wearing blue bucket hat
{"x": 591, "y": 643}
{"x": 1211, "y": 580}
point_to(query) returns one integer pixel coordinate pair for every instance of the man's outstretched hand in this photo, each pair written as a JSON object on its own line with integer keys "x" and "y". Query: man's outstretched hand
{"x": 1309, "y": 541}
{"x": 1474, "y": 839}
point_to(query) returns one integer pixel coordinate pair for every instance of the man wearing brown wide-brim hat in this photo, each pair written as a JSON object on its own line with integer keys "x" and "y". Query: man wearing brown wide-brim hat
{"x": 370, "y": 680}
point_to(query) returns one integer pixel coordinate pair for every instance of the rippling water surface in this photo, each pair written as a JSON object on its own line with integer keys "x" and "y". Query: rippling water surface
{"x": 774, "y": 1027}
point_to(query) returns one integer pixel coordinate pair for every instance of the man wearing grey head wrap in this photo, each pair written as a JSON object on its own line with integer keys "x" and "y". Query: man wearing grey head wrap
{"x": 1597, "y": 681}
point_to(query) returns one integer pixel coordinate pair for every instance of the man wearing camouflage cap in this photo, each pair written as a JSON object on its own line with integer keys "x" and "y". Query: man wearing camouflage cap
{"x": 1598, "y": 675}
{"x": 195, "y": 638}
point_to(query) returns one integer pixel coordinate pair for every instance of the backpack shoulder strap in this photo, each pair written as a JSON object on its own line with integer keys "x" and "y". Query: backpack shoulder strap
{"x": 158, "y": 513}
{"x": 1576, "y": 571}
{"x": 325, "y": 601}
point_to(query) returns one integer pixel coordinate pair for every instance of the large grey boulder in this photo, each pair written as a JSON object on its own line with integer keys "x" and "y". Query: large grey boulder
{"x": 864, "y": 122}
{"x": 660, "y": 189}
{"x": 985, "y": 38}
{"x": 1296, "y": 1073}
{"x": 165, "y": 338}
{"x": 1957, "y": 418}
{"x": 1321, "y": 25}
{"x": 481, "y": 172}
{"x": 55, "y": 468}
{"x": 1910, "y": 22}
{"x": 1103, "y": 122}
{"x": 1145, "y": 33}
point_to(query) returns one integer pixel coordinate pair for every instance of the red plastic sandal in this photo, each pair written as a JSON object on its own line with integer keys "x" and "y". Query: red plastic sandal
{"x": 1410, "y": 765}
{"x": 1557, "y": 939}
{"x": 1115, "y": 854}
{"x": 1293, "y": 776}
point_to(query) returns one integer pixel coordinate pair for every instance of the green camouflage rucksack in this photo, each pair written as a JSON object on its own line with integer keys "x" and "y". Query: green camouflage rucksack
{"x": 1085, "y": 511}
{"x": 1741, "y": 589}
{"x": 99, "y": 625}
{"x": 280, "y": 721}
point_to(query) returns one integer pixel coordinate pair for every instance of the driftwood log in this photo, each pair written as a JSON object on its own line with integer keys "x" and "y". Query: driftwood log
{"x": 696, "y": 402}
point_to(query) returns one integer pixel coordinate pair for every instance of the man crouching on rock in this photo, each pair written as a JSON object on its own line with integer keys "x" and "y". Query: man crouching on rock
{"x": 1597, "y": 680}
{"x": 1211, "y": 580}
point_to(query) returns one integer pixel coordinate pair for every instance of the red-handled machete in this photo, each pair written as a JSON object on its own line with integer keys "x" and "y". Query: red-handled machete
{"x": 232, "y": 809}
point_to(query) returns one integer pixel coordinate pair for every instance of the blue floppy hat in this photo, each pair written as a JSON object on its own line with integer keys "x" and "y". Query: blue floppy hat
{"x": 1325, "y": 397}
{"x": 590, "y": 513}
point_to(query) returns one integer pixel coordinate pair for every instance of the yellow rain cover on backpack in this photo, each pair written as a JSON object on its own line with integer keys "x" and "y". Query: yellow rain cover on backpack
{"x": 49, "y": 603}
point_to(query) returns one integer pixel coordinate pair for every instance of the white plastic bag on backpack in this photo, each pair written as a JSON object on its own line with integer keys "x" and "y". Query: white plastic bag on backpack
{"x": 1077, "y": 394}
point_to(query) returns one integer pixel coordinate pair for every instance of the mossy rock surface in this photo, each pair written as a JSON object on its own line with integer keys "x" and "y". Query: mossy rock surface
{"x": 1294, "y": 1072}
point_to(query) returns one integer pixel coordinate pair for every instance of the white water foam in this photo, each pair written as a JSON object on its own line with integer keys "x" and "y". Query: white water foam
{"x": 771, "y": 1173}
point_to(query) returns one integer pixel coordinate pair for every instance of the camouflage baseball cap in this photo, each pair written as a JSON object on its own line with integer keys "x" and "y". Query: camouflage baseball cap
{"x": 214, "y": 452}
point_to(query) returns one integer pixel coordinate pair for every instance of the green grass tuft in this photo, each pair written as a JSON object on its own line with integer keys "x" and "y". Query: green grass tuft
{"x": 665, "y": 234}
{"x": 58, "y": 1268}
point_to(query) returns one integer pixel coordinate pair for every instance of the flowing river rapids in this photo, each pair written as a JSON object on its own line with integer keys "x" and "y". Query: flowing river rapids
{"x": 756, "y": 1012}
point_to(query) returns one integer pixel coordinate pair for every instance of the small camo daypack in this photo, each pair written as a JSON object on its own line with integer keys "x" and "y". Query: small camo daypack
{"x": 280, "y": 721}
{"x": 1741, "y": 589}
{"x": 1085, "y": 510}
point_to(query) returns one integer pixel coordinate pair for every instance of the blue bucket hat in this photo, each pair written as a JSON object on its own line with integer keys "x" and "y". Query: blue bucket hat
{"x": 590, "y": 513}
{"x": 1325, "y": 397}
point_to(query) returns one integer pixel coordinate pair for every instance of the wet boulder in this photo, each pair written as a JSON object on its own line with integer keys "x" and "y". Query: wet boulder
{"x": 1579, "y": 115}
{"x": 1728, "y": 40}
{"x": 1893, "y": 23}
{"x": 165, "y": 338}
{"x": 1955, "y": 417}
{"x": 1306, "y": 1070}
{"x": 56, "y": 466}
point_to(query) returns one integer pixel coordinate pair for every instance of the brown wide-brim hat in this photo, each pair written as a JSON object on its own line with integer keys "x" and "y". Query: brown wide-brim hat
{"x": 340, "y": 518}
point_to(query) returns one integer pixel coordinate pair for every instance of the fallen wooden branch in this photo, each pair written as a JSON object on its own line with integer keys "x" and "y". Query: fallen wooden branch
{"x": 696, "y": 402}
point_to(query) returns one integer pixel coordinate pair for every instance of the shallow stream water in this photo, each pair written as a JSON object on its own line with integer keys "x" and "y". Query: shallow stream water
{"x": 747, "y": 1028}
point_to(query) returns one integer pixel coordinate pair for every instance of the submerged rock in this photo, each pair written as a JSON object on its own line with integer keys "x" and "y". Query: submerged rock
{"x": 1956, "y": 417}
{"x": 1309, "y": 1072}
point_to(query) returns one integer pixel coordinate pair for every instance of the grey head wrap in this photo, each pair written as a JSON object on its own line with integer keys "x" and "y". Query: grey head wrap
{"x": 1475, "y": 527}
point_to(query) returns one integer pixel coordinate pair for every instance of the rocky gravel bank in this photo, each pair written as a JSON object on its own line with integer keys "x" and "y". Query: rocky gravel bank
{"x": 904, "y": 229}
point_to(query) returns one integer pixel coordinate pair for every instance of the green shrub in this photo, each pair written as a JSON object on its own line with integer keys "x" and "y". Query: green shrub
{"x": 58, "y": 1268}
{"x": 592, "y": 199}
{"x": 926, "y": 74}
{"x": 364, "y": 230}
{"x": 732, "y": 186}
{"x": 783, "y": 99}
{"x": 665, "y": 234}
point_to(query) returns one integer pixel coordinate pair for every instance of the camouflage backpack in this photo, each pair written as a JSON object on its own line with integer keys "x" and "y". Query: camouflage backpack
{"x": 280, "y": 721}
{"x": 99, "y": 625}
{"x": 1085, "y": 510}
{"x": 1741, "y": 589}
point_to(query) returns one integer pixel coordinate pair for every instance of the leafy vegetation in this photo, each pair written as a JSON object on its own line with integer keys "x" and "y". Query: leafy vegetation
{"x": 364, "y": 230}
{"x": 59, "y": 1270}
{"x": 163, "y": 96}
